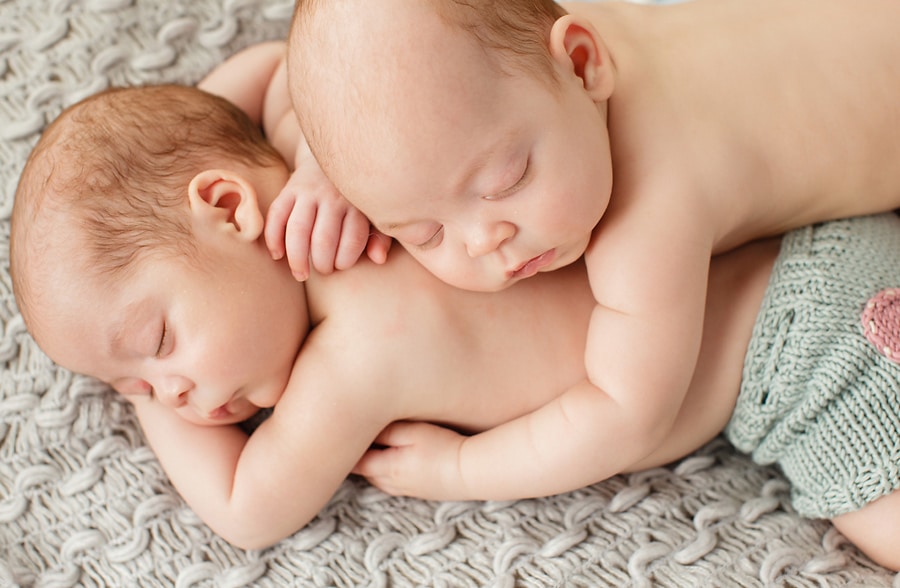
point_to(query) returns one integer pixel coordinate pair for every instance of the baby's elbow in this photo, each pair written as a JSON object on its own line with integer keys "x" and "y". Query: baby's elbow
{"x": 252, "y": 531}
{"x": 890, "y": 561}
{"x": 253, "y": 540}
{"x": 252, "y": 543}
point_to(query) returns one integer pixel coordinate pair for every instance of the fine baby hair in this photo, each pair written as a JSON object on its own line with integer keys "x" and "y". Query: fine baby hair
{"x": 516, "y": 27}
{"x": 118, "y": 165}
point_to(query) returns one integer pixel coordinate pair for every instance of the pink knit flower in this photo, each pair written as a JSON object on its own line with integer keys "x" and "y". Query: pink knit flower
{"x": 881, "y": 321}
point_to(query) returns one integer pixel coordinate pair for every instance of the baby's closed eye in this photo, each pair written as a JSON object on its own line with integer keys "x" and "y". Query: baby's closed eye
{"x": 433, "y": 241}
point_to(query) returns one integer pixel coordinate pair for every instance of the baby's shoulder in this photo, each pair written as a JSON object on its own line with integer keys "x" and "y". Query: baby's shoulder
{"x": 353, "y": 312}
{"x": 338, "y": 367}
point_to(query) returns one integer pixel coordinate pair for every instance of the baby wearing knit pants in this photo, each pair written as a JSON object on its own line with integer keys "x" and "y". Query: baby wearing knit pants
{"x": 820, "y": 394}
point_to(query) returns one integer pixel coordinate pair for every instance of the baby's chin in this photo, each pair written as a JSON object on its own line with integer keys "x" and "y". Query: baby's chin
{"x": 478, "y": 283}
{"x": 565, "y": 259}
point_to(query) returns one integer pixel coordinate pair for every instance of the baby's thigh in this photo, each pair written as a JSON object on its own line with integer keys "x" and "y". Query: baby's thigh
{"x": 875, "y": 529}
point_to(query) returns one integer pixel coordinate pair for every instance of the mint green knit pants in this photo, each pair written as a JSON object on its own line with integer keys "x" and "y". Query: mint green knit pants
{"x": 819, "y": 397}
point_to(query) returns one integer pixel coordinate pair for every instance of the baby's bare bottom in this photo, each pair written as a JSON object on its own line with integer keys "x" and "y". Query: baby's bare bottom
{"x": 737, "y": 283}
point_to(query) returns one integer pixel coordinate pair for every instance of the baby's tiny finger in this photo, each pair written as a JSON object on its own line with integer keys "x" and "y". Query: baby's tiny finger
{"x": 276, "y": 225}
{"x": 378, "y": 246}
{"x": 297, "y": 239}
{"x": 354, "y": 236}
{"x": 323, "y": 242}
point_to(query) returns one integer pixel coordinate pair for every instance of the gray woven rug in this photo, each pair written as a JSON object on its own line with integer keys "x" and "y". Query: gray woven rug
{"x": 84, "y": 503}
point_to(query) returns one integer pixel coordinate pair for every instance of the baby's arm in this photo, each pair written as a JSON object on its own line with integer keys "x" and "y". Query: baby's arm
{"x": 309, "y": 220}
{"x": 643, "y": 341}
{"x": 255, "y": 490}
{"x": 245, "y": 79}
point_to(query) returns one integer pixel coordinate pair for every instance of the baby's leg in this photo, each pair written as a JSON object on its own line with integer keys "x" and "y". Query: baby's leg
{"x": 875, "y": 529}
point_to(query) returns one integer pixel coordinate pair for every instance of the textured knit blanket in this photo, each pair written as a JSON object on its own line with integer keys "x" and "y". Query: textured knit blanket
{"x": 83, "y": 501}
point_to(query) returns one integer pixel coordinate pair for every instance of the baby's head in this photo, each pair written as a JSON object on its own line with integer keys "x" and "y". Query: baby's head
{"x": 333, "y": 43}
{"x": 472, "y": 132}
{"x": 117, "y": 247}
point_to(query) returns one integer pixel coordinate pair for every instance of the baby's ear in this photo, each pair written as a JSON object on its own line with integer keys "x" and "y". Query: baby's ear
{"x": 224, "y": 199}
{"x": 577, "y": 47}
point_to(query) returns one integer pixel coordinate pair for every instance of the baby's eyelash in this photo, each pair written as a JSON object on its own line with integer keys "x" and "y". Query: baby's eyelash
{"x": 432, "y": 241}
{"x": 162, "y": 341}
{"x": 526, "y": 173}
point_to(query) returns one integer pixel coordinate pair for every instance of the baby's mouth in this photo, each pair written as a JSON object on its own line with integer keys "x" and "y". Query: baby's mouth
{"x": 533, "y": 265}
{"x": 220, "y": 413}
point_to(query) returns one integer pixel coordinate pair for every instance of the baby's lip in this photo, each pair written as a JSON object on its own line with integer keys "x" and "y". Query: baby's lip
{"x": 219, "y": 413}
{"x": 533, "y": 265}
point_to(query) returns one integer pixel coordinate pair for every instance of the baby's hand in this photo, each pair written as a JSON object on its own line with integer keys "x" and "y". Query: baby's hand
{"x": 417, "y": 459}
{"x": 311, "y": 221}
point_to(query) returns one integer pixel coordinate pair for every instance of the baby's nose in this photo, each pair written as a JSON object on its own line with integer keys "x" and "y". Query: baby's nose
{"x": 488, "y": 237}
{"x": 173, "y": 391}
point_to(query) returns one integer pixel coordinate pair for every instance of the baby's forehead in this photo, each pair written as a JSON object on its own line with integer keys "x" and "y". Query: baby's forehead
{"x": 62, "y": 251}
{"x": 57, "y": 278}
{"x": 359, "y": 91}
{"x": 355, "y": 45}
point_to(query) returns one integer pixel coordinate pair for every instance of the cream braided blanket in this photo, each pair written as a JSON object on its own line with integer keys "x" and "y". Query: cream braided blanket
{"x": 83, "y": 501}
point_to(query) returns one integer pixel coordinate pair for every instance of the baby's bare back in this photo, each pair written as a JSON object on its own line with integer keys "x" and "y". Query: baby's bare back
{"x": 476, "y": 360}
{"x": 776, "y": 113}
{"x": 453, "y": 356}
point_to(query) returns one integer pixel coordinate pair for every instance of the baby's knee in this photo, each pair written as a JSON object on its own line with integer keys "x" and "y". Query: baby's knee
{"x": 875, "y": 530}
